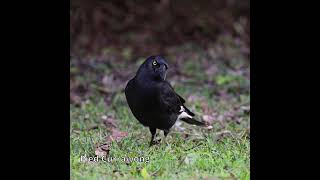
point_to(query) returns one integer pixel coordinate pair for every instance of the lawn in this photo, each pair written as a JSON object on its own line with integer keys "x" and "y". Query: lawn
{"x": 218, "y": 91}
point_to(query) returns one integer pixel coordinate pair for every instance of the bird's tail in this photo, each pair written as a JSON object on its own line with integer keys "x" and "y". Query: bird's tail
{"x": 187, "y": 116}
{"x": 193, "y": 121}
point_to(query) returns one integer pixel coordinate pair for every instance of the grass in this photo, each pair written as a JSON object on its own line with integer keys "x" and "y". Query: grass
{"x": 182, "y": 158}
{"x": 192, "y": 153}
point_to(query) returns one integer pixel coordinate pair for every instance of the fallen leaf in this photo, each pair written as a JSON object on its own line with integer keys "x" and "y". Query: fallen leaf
{"x": 116, "y": 135}
{"x": 109, "y": 122}
{"x": 103, "y": 150}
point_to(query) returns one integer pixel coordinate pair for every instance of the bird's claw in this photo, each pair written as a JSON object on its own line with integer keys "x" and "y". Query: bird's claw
{"x": 155, "y": 142}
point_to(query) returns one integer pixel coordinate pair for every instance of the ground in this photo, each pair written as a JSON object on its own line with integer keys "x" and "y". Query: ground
{"x": 215, "y": 81}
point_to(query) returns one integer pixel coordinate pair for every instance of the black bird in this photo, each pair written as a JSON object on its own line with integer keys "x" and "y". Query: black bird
{"x": 152, "y": 99}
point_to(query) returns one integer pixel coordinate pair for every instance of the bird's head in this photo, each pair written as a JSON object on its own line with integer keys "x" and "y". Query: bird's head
{"x": 154, "y": 67}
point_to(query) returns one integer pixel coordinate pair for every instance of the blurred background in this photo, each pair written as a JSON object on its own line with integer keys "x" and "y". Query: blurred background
{"x": 150, "y": 26}
{"x": 200, "y": 39}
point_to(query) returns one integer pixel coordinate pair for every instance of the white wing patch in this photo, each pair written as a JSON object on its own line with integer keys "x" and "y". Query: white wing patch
{"x": 181, "y": 109}
{"x": 183, "y": 114}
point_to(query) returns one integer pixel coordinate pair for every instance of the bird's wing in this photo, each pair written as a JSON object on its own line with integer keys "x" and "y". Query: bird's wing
{"x": 172, "y": 102}
{"x": 181, "y": 99}
{"x": 168, "y": 98}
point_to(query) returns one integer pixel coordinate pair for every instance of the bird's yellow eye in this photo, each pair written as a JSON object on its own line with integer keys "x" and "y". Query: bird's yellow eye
{"x": 154, "y": 63}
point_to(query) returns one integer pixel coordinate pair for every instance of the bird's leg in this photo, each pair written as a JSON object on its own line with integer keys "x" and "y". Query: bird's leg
{"x": 153, "y": 133}
{"x": 165, "y": 132}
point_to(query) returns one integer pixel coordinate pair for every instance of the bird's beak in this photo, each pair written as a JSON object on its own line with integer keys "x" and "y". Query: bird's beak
{"x": 163, "y": 76}
{"x": 163, "y": 72}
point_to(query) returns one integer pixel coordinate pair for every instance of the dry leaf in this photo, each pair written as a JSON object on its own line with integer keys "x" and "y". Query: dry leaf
{"x": 117, "y": 135}
{"x": 109, "y": 122}
{"x": 103, "y": 150}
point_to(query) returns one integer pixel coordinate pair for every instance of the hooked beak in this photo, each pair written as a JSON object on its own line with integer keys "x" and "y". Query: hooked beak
{"x": 163, "y": 72}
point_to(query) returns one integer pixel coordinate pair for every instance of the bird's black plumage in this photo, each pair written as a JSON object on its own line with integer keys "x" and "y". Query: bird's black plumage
{"x": 152, "y": 99}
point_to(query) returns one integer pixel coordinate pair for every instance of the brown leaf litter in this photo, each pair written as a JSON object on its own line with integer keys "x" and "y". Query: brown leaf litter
{"x": 116, "y": 135}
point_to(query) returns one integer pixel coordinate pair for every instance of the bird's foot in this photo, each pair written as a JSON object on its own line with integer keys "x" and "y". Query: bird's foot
{"x": 155, "y": 142}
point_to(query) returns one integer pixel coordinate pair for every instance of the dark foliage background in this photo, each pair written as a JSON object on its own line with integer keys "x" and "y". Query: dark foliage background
{"x": 150, "y": 26}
